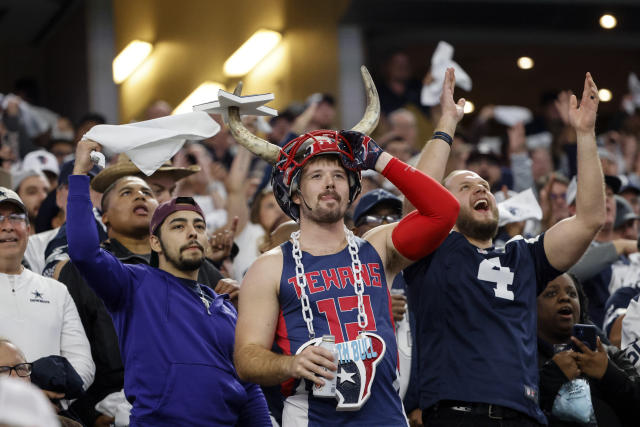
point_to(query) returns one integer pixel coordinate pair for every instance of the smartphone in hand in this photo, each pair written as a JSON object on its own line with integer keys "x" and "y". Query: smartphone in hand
{"x": 587, "y": 334}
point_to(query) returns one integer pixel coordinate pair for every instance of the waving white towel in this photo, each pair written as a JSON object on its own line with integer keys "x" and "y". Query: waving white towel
{"x": 441, "y": 60}
{"x": 520, "y": 207}
{"x": 152, "y": 142}
{"x": 511, "y": 115}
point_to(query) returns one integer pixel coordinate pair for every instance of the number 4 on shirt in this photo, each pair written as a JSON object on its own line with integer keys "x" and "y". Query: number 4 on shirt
{"x": 491, "y": 270}
{"x": 328, "y": 307}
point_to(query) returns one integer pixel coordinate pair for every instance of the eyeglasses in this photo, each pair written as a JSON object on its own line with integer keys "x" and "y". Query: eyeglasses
{"x": 376, "y": 220}
{"x": 14, "y": 218}
{"x": 22, "y": 369}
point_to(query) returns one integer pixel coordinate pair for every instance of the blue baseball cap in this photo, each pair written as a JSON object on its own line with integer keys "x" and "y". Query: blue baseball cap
{"x": 372, "y": 199}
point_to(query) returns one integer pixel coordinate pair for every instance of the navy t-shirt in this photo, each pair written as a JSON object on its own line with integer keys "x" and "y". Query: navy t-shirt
{"x": 476, "y": 315}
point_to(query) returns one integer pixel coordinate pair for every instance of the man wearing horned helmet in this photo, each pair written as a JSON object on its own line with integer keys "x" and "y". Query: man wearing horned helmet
{"x": 327, "y": 282}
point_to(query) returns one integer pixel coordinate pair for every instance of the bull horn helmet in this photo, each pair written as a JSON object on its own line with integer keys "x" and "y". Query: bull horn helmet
{"x": 289, "y": 160}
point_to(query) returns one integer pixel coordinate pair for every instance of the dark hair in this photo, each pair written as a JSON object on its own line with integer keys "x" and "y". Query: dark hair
{"x": 91, "y": 117}
{"x": 107, "y": 192}
{"x": 582, "y": 298}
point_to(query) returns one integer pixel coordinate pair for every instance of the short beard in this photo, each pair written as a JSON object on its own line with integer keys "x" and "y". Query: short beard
{"x": 477, "y": 230}
{"x": 321, "y": 216}
{"x": 180, "y": 263}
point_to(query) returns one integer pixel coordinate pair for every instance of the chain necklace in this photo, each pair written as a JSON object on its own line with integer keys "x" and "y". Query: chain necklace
{"x": 356, "y": 266}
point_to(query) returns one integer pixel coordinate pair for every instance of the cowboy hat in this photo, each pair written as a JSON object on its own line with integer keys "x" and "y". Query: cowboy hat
{"x": 125, "y": 167}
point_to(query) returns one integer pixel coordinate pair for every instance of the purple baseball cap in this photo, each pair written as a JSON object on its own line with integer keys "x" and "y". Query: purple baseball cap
{"x": 174, "y": 205}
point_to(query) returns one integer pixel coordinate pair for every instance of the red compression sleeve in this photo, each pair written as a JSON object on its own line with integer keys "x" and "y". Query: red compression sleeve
{"x": 421, "y": 232}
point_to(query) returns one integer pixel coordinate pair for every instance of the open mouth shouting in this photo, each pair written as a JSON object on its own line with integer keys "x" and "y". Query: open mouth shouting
{"x": 481, "y": 205}
{"x": 566, "y": 313}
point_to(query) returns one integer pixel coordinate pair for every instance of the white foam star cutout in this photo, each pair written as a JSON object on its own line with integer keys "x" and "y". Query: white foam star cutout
{"x": 344, "y": 376}
{"x": 250, "y": 105}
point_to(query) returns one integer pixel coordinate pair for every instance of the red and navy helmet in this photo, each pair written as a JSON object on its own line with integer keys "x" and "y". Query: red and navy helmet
{"x": 285, "y": 178}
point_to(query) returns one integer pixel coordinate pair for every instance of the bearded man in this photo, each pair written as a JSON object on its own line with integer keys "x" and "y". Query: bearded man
{"x": 327, "y": 282}
{"x": 476, "y": 322}
{"x": 176, "y": 336}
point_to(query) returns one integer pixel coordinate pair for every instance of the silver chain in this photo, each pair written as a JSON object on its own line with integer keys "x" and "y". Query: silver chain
{"x": 307, "y": 314}
{"x": 356, "y": 266}
{"x": 301, "y": 280}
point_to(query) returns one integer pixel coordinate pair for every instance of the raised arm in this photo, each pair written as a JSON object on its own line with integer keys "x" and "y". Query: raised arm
{"x": 566, "y": 241}
{"x": 106, "y": 275}
{"x": 235, "y": 183}
{"x": 420, "y": 232}
{"x": 433, "y": 157}
{"x": 257, "y": 320}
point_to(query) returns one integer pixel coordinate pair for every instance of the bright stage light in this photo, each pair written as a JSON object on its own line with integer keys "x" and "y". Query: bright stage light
{"x": 469, "y": 107}
{"x": 605, "y": 95}
{"x": 608, "y": 21}
{"x": 251, "y": 52}
{"x": 525, "y": 63}
{"x": 129, "y": 59}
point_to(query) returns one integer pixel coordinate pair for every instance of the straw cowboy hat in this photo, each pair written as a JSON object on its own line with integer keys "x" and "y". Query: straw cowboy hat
{"x": 125, "y": 167}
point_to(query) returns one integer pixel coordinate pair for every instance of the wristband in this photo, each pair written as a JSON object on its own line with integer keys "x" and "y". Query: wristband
{"x": 443, "y": 136}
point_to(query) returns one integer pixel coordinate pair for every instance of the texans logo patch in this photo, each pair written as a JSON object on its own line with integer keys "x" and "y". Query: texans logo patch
{"x": 357, "y": 362}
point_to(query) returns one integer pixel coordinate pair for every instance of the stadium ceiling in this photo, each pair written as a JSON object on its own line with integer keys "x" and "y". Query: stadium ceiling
{"x": 564, "y": 22}
{"x": 30, "y": 22}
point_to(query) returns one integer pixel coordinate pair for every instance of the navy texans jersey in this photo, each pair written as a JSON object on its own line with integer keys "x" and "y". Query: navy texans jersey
{"x": 476, "y": 314}
{"x": 330, "y": 288}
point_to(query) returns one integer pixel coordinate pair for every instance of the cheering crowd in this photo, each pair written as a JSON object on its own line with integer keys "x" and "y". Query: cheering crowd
{"x": 206, "y": 292}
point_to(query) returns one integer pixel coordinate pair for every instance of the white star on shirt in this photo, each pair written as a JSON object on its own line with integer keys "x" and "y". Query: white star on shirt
{"x": 344, "y": 376}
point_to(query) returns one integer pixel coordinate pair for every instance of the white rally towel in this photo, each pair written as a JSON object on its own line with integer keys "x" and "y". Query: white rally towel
{"x": 518, "y": 208}
{"x": 116, "y": 405}
{"x": 441, "y": 60}
{"x": 152, "y": 142}
{"x": 511, "y": 115}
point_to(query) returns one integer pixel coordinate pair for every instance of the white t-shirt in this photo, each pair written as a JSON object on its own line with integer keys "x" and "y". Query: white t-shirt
{"x": 247, "y": 242}
{"x": 39, "y": 316}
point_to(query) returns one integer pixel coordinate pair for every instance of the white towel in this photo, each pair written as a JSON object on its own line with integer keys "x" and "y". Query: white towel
{"x": 152, "y": 142}
{"x": 116, "y": 405}
{"x": 441, "y": 60}
{"x": 518, "y": 208}
{"x": 511, "y": 115}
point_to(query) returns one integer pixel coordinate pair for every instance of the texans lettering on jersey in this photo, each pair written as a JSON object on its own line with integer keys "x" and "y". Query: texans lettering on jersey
{"x": 334, "y": 303}
{"x": 476, "y": 322}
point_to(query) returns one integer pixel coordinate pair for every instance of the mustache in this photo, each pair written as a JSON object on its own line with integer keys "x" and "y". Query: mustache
{"x": 333, "y": 194}
{"x": 192, "y": 243}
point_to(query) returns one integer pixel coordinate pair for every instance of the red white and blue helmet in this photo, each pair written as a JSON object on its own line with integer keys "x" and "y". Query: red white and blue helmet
{"x": 285, "y": 178}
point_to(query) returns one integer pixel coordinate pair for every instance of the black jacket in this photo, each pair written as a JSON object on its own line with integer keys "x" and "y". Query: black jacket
{"x": 99, "y": 328}
{"x": 614, "y": 397}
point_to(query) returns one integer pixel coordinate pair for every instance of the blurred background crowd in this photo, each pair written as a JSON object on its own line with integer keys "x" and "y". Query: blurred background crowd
{"x": 517, "y": 62}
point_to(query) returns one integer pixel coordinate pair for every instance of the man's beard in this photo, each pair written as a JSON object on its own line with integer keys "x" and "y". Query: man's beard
{"x": 323, "y": 215}
{"x": 181, "y": 263}
{"x": 477, "y": 230}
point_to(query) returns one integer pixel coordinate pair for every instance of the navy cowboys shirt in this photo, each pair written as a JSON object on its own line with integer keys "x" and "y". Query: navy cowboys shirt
{"x": 476, "y": 320}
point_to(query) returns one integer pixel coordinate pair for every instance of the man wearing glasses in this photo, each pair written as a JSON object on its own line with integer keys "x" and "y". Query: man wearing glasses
{"x": 36, "y": 313}
{"x": 13, "y": 362}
